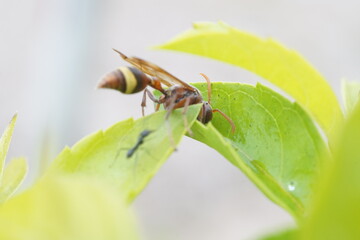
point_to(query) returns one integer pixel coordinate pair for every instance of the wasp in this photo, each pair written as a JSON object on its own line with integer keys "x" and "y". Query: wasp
{"x": 178, "y": 94}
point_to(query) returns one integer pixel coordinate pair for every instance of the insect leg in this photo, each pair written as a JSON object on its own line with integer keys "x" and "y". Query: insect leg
{"x": 186, "y": 124}
{"x": 143, "y": 103}
{"x": 171, "y": 106}
{"x": 233, "y": 127}
{"x": 152, "y": 97}
{"x": 116, "y": 156}
{"x": 136, "y": 161}
{"x": 169, "y": 109}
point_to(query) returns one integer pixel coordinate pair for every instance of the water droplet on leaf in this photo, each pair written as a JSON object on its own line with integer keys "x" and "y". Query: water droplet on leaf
{"x": 291, "y": 186}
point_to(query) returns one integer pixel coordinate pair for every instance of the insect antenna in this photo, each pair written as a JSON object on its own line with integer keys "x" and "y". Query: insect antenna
{"x": 208, "y": 87}
{"x": 233, "y": 127}
{"x": 227, "y": 118}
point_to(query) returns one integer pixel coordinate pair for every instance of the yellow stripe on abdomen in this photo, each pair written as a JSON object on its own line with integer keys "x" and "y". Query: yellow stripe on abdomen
{"x": 130, "y": 80}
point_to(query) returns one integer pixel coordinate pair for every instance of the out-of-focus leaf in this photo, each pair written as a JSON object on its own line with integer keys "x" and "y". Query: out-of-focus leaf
{"x": 5, "y": 143}
{"x": 71, "y": 207}
{"x": 350, "y": 94}
{"x": 104, "y": 154}
{"x": 275, "y": 143}
{"x": 14, "y": 175}
{"x": 267, "y": 58}
{"x": 290, "y": 234}
{"x": 336, "y": 210}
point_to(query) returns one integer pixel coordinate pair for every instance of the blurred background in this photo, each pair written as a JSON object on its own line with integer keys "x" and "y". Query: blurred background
{"x": 52, "y": 54}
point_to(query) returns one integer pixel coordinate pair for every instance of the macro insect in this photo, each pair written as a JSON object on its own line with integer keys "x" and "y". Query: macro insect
{"x": 179, "y": 94}
{"x": 140, "y": 141}
{"x": 131, "y": 151}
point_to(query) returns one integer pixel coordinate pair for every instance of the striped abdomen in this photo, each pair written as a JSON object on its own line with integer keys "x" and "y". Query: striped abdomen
{"x": 125, "y": 79}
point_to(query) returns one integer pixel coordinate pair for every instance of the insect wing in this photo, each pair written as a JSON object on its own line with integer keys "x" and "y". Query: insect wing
{"x": 153, "y": 70}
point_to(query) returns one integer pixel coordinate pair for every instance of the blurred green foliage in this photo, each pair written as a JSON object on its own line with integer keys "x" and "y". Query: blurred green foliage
{"x": 85, "y": 194}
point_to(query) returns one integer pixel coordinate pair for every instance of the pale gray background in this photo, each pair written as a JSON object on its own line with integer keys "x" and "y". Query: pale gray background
{"x": 52, "y": 54}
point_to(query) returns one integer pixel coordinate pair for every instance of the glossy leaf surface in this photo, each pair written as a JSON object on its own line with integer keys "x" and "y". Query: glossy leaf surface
{"x": 275, "y": 143}
{"x": 104, "y": 154}
{"x": 267, "y": 58}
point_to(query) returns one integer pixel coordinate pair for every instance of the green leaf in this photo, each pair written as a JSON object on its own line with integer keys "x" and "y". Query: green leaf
{"x": 275, "y": 143}
{"x": 350, "y": 93}
{"x": 67, "y": 207}
{"x": 335, "y": 211}
{"x": 5, "y": 143}
{"x": 14, "y": 175}
{"x": 103, "y": 154}
{"x": 267, "y": 58}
